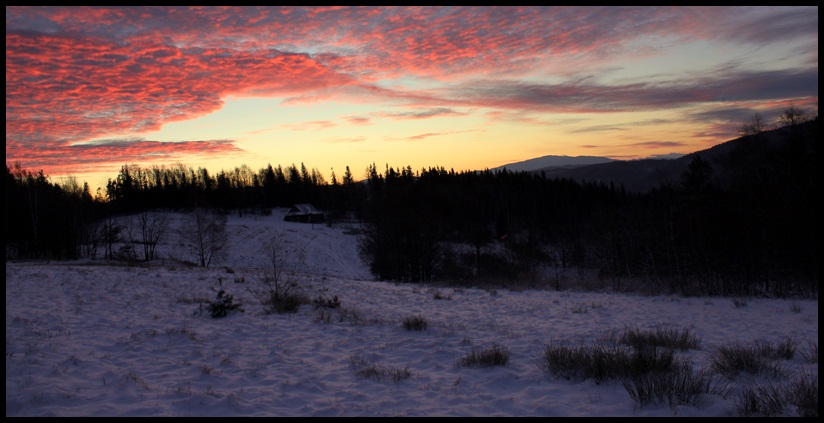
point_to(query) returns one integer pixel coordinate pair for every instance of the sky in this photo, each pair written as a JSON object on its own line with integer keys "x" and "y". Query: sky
{"x": 89, "y": 89}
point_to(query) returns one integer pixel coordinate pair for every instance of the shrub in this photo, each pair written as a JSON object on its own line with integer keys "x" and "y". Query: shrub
{"x": 494, "y": 355}
{"x": 223, "y": 304}
{"x": 415, "y": 323}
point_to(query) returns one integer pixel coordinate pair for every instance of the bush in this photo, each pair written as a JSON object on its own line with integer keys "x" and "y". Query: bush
{"x": 495, "y": 355}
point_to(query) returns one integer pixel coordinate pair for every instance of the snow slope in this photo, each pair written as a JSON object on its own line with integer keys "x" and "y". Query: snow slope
{"x": 107, "y": 339}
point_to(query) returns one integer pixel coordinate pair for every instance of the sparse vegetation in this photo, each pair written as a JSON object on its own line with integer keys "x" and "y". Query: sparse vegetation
{"x": 370, "y": 370}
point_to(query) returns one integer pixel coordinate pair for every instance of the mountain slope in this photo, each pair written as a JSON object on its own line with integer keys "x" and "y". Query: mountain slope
{"x": 646, "y": 174}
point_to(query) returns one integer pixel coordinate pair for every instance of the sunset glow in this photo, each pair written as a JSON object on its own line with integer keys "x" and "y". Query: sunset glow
{"x": 89, "y": 89}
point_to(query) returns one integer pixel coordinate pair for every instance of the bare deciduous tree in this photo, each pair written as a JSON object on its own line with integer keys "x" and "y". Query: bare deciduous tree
{"x": 276, "y": 287}
{"x": 792, "y": 116}
{"x": 754, "y": 126}
{"x": 152, "y": 227}
{"x": 207, "y": 230}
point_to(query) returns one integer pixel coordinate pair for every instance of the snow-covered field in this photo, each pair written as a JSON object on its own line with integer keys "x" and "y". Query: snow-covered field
{"x": 94, "y": 338}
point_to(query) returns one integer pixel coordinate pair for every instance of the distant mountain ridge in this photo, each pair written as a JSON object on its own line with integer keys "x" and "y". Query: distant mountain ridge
{"x": 643, "y": 175}
{"x": 553, "y": 161}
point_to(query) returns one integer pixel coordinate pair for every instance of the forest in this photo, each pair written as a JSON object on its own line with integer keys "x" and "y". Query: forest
{"x": 742, "y": 223}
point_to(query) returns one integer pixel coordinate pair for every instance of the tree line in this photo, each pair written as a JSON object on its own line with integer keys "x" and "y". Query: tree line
{"x": 742, "y": 224}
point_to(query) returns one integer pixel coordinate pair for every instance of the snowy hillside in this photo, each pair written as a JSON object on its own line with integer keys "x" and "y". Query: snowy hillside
{"x": 98, "y": 338}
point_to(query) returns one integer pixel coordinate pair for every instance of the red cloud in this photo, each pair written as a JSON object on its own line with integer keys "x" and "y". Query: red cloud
{"x": 54, "y": 156}
{"x": 75, "y": 74}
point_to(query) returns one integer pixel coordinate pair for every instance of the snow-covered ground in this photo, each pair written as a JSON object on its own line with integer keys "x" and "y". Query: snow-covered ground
{"x": 94, "y": 338}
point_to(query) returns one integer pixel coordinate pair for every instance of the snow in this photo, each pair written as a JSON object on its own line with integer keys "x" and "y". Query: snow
{"x": 97, "y": 338}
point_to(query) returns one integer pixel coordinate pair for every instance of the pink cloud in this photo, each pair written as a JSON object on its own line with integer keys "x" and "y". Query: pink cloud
{"x": 76, "y": 74}
{"x": 79, "y": 158}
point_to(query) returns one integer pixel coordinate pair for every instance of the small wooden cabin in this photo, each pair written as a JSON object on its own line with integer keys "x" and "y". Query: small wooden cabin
{"x": 305, "y": 213}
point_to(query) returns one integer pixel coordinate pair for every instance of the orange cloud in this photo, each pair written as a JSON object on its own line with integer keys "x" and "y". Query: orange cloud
{"x": 75, "y": 74}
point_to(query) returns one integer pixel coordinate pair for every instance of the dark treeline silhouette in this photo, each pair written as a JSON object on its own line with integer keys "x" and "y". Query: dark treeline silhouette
{"x": 243, "y": 190}
{"x": 741, "y": 224}
{"x": 44, "y": 219}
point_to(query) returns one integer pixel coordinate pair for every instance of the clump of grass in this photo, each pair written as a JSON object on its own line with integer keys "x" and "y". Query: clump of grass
{"x": 323, "y": 315}
{"x": 810, "y": 352}
{"x": 286, "y": 302}
{"x": 326, "y": 302}
{"x": 784, "y": 349}
{"x": 371, "y": 370}
{"x": 494, "y": 355}
{"x": 356, "y": 318}
{"x": 803, "y": 393}
{"x": 415, "y": 323}
{"x": 678, "y": 385}
{"x": 732, "y": 359}
{"x": 604, "y": 361}
{"x": 579, "y": 308}
{"x": 795, "y": 307}
{"x": 438, "y": 295}
{"x": 662, "y": 337}
{"x": 739, "y": 302}
{"x": 599, "y": 362}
